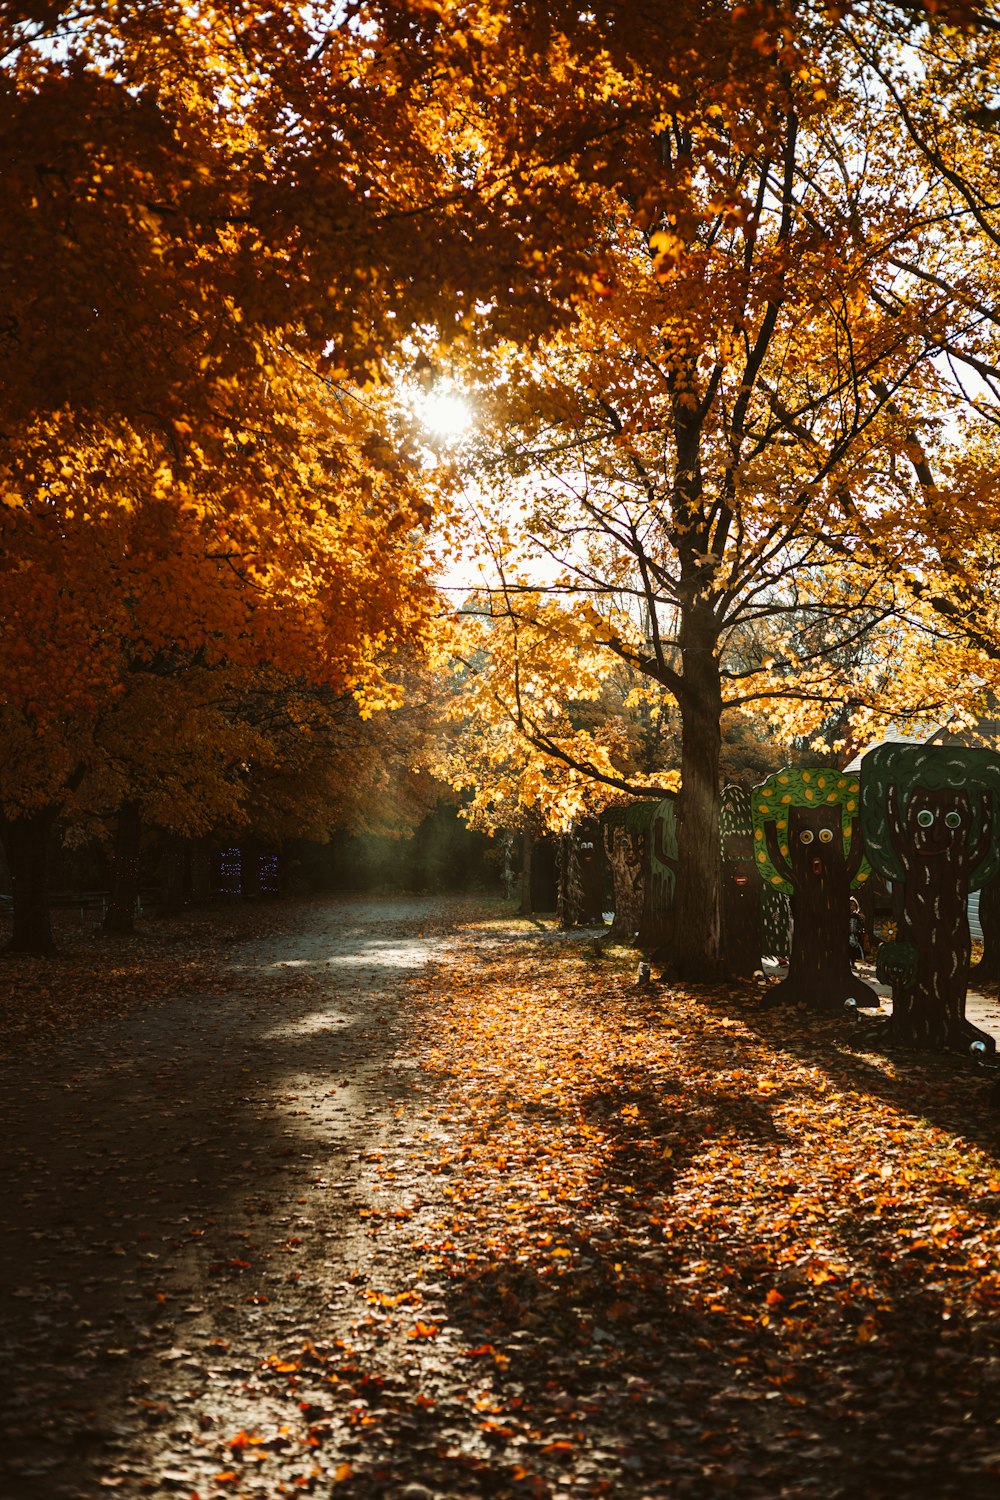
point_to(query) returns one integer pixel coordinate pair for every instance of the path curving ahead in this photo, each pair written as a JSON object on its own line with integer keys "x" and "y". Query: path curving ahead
{"x": 181, "y": 1192}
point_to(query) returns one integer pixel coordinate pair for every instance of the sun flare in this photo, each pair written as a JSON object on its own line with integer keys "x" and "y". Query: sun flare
{"x": 445, "y": 413}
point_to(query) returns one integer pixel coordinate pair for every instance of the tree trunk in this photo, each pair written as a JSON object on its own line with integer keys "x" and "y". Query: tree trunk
{"x": 526, "y": 907}
{"x": 697, "y": 919}
{"x": 987, "y": 970}
{"x": 741, "y": 924}
{"x": 590, "y": 868}
{"x": 659, "y": 882}
{"x": 199, "y": 872}
{"x": 570, "y": 889}
{"x": 26, "y": 843}
{"x": 819, "y": 967}
{"x": 171, "y": 900}
{"x": 119, "y": 919}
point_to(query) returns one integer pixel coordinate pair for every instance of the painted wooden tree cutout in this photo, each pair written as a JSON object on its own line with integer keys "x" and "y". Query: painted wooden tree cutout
{"x": 742, "y": 889}
{"x": 987, "y": 970}
{"x": 590, "y": 860}
{"x": 581, "y": 878}
{"x": 775, "y": 921}
{"x": 807, "y": 842}
{"x": 570, "y": 893}
{"x": 625, "y": 833}
{"x": 930, "y": 820}
{"x": 657, "y": 917}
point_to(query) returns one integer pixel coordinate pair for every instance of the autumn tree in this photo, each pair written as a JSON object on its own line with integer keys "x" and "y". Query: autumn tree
{"x": 331, "y": 768}
{"x": 678, "y": 513}
{"x": 125, "y": 588}
{"x": 247, "y": 754}
{"x": 200, "y": 287}
{"x": 205, "y": 204}
{"x": 586, "y": 720}
{"x": 709, "y": 477}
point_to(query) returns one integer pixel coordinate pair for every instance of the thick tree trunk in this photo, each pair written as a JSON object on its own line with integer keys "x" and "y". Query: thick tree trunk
{"x": 987, "y": 970}
{"x": 509, "y": 874}
{"x": 26, "y": 843}
{"x": 119, "y": 919}
{"x": 819, "y": 968}
{"x": 171, "y": 900}
{"x": 570, "y": 889}
{"x": 525, "y": 906}
{"x": 697, "y": 920}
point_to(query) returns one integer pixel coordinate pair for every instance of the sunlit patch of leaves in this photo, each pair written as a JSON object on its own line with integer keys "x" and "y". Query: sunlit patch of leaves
{"x": 679, "y": 1215}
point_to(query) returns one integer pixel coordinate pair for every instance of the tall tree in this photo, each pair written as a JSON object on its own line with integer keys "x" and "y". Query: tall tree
{"x": 718, "y": 449}
{"x": 305, "y": 547}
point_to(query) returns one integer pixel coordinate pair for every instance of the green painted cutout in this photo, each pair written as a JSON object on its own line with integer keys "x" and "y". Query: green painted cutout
{"x": 625, "y": 835}
{"x": 816, "y": 787}
{"x": 662, "y": 854}
{"x": 735, "y": 814}
{"x": 775, "y": 920}
{"x": 931, "y": 821}
{"x": 807, "y": 842}
{"x": 940, "y": 779}
{"x": 896, "y": 963}
{"x": 639, "y": 815}
{"x": 741, "y": 885}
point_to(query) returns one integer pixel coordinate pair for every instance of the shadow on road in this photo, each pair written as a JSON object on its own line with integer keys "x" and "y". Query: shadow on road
{"x": 189, "y": 1179}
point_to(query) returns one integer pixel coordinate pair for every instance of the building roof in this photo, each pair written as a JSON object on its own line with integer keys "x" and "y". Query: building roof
{"x": 986, "y": 735}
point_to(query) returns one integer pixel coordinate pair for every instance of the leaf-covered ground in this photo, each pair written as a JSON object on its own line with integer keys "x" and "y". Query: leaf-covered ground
{"x": 433, "y": 1203}
{"x": 95, "y": 978}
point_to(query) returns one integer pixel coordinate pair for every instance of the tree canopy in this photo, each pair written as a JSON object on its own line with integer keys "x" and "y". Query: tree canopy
{"x": 720, "y": 278}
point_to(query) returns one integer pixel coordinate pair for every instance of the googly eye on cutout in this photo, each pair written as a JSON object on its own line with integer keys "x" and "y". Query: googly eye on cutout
{"x": 806, "y": 836}
{"x": 925, "y": 817}
{"x": 825, "y": 835}
{"x": 952, "y": 819}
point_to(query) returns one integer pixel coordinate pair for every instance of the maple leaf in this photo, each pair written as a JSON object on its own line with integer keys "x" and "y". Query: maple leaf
{"x": 422, "y": 1330}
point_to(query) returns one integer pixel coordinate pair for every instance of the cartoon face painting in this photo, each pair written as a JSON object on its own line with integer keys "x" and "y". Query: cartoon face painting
{"x": 805, "y": 828}
{"x": 939, "y": 822}
{"x": 930, "y": 816}
{"x": 737, "y": 859}
{"x": 807, "y": 843}
{"x": 815, "y": 841}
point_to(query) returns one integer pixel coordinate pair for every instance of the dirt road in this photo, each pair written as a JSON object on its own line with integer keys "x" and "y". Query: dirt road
{"x": 181, "y": 1198}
